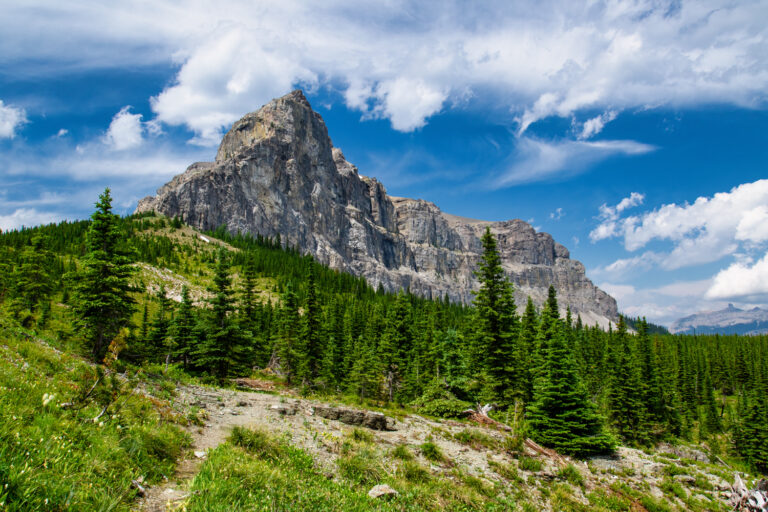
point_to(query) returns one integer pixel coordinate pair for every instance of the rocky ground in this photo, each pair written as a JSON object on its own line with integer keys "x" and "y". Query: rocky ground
{"x": 679, "y": 476}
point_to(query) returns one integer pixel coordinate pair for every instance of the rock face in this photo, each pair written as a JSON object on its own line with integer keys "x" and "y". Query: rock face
{"x": 730, "y": 320}
{"x": 276, "y": 172}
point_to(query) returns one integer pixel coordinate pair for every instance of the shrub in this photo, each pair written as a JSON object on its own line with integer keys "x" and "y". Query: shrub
{"x": 432, "y": 452}
{"x": 414, "y": 472}
{"x": 529, "y": 464}
{"x": 257, "y": 442}
{"x": 572, "y": 475}
{"x": 402, "y": 452}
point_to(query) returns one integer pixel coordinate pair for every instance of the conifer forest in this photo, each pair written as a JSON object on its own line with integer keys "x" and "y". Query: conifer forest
{"x": 258, "y": 306}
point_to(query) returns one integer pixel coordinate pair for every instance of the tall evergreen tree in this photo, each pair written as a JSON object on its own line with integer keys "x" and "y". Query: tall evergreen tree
{"x": 625, "y": 403}
{"x": 562, "y": 416}
{"x": 310, "y": 352}
{"x": 183, "y": 330}
{"x": 496, "y": 325}
{"x": 224, "y": 346}
{"x": 103, "y": 304}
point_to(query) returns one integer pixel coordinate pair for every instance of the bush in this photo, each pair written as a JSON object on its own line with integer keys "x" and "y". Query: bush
{"x": 432, "y": 452}
{"x": 402, "y": 452}
{"x": 445, "y": 408}
{"x": 257, "y": 442}
{"x": 529, "y": 464}
{"x": 361, "y": 468}
{"x": 572, "y": 475}
{"x": 414, "y": 472}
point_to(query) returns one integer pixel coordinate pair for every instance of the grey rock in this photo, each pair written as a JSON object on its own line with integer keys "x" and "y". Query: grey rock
{"x": 382, "y": 491}
{"x": 277, "y": 172}
{"x": 368, "y": 419}
{"x": 284, "y": 409}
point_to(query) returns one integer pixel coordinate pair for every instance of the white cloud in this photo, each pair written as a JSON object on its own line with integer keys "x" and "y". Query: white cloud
{"x": 538, "y": 160}
{"x": 557, "y": 214}
{"x": 663, "y": 304}
{"x": 125, "y": 131}
{"x": 596, "y": 124}
{"x": 405, "y": 61}
{"x": 741, "y": 281}
{"x": 703, "y": 232}
{"x": 27, "y": 217}
{"x": 610, "y": 214}
{"x": 11, "y": 118}
{"x": 62, "y": 133}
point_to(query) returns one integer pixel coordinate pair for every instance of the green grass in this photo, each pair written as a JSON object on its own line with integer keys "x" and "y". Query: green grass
{"x": 247, "y": 474}
{"x": 572, "y": 475}
{"x": 476, "y": 439}
{"x": 58, "y": 458}
{"x": 529, "y": 464}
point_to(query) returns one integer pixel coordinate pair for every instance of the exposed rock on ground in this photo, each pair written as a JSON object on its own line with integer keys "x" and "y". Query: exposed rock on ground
{"x": 276, "y": 172}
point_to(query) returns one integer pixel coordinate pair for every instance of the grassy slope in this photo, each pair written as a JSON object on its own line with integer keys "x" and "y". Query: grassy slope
{"x": 58, "y": 458}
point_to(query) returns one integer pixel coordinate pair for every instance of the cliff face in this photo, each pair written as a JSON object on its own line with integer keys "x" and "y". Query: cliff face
{"x": 276, "y": 171}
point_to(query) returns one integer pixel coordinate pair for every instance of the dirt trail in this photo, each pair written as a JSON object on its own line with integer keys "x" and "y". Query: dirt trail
{"x": 295, "y": 418}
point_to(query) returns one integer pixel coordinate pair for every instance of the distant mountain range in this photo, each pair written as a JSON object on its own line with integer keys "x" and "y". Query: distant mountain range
{"x": 730, "y": 320}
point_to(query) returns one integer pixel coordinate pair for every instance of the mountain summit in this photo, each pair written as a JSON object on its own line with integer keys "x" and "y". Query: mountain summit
{"x": 730, "y": 320}
{"x": 277, "y": 172}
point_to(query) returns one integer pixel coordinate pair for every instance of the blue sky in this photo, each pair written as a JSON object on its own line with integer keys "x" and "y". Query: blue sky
{"x": 633, "y": 132}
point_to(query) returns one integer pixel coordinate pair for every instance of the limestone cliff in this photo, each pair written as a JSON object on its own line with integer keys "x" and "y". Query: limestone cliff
{"x": 276, "y": 171}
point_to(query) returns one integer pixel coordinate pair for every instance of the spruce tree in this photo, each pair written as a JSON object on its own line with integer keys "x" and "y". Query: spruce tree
{"x": 183, "y": 330}
{"x": 223, "y": 347}
{"x": 496, "y": 325}
{"x": 102, "y": 303}
{"x": 625, "y": 402}
{"x": 310, "y": 350}
{"x": 562, "y": 416}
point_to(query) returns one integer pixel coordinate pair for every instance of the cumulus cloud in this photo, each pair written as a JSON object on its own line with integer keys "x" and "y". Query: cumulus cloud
{"x": 609, "y": 216}
{"x": 557, "y": 214}
{"x": 125, "y": 131}
{"x": 11, "y": 118}
{"x": 538, "y": 160}
{"x": 406, "y": 61}
{"x": 596, "y": 124}
{"x": 741, "y": 281}
{"x": 663, "y": 304}
{"x": 702, "y": 232}
{"x": 26, "y": 217}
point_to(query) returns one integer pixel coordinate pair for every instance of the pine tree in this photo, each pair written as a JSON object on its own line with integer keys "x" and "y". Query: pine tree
{"x": 624, "y": 394}
{"x": 496, "y": 325}
{"x": 158, "y": 333}
{"x": 651, "y": 387}
{"x": 183, "y": 330}
{"x": 287, "y": 336}
{"x": 310, "y": 351}
{"x": 103, "y": 304}
{"x": 224, "y": 347}
{"x": 395, "y": 344}
{"x": 526, "y": 344}
{"x": 562, "y": 416}
{"x": 32, "y": 280}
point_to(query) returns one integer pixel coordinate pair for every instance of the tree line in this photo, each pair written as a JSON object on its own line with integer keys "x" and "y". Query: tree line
{"x": 577, "y": 388}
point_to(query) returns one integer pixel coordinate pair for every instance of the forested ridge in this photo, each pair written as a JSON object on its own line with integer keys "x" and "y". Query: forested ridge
{"x": 573, "y": 387}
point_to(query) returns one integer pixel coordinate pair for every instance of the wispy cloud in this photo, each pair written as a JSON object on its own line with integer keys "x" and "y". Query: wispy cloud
{"x": 407, "y": 61}
{"x": 540, "y": 160}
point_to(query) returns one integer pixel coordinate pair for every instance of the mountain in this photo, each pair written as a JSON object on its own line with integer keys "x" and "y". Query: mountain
{"x": 277, "y": 173}
{"x": 730, "y": 320}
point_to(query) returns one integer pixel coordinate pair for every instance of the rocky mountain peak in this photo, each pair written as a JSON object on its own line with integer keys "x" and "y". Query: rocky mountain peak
{"x": 277, "y": 172}
{"x": 289, "y": 118}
